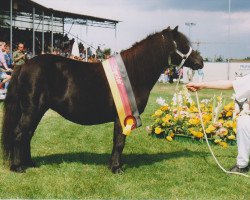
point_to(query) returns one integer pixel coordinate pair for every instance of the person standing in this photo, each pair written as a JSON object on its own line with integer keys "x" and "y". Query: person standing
{"x": 200, "y": 75}
{"x": 241, "y": 87}
{"x": 19, "y": 56}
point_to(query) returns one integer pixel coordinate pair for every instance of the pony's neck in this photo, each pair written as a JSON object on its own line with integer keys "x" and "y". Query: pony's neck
{"x": 145, "y": 61}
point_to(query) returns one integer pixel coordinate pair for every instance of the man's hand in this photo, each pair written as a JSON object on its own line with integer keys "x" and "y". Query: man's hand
{"x": 195, "y": 86}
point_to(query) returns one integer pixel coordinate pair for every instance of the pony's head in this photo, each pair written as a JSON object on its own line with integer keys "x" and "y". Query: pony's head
{"x": 181, "y": 53}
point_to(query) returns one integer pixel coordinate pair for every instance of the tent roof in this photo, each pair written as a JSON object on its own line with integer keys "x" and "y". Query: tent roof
{"x": 28, "y": 5}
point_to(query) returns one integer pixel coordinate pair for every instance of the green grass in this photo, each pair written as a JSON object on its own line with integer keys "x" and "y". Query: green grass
{"x": 72, "y": 163}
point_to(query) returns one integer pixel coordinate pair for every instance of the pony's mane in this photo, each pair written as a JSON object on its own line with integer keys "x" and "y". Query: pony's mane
{"x": 181, "y": 38}
{"x": 146, "y": 39}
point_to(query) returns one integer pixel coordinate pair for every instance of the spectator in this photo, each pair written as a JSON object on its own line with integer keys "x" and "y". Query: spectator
{"x": 3, "y": 67}
{"x": 190, "y": 74}
{"x": 19, "y": 55}
{"x": 200, "y": 75}
{"x": 8, "y": 57}
{"x": 99, "y": 54}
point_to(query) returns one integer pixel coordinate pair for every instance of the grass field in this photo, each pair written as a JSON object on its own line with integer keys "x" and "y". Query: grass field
{"x": 72, "y": 164}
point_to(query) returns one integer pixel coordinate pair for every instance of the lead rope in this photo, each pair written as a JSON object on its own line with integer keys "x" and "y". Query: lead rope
{"x": 184, "y": 57}
{"x": 203, "y": 128}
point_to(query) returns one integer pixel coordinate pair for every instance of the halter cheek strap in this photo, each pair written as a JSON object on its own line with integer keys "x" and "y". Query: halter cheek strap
{"x": 183, "y": 56}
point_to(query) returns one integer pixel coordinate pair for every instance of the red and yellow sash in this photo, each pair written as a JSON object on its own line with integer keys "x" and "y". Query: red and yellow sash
{"x": 122, "y": 93}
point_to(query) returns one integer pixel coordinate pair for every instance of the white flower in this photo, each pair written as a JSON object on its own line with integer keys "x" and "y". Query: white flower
{"x": 161, "y": 101}
{"x": 174, "y": 99}
{"x": 184, "y": 113}
{"x": 205, "y": 101}
{"x": 233, "y": 96}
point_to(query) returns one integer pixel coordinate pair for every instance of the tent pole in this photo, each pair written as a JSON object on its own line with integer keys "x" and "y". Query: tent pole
{"x": 11, "y": 10}
{"x": 33, "y": 35}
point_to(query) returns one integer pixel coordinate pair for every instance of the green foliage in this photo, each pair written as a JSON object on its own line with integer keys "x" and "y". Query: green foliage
{"x": 72, "y": 164}
{"x": 107, "y": 51}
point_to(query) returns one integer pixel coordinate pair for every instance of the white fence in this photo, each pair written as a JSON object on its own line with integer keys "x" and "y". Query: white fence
{"x": 220, "y": 71}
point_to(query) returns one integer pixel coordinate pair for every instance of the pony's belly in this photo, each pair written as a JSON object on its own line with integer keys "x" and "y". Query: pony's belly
{"x": 87, "y": 117}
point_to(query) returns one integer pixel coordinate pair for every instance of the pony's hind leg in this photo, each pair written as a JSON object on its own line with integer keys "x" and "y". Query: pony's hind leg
{"x": 21, "y": 154}
{"x": 118, "y": 145}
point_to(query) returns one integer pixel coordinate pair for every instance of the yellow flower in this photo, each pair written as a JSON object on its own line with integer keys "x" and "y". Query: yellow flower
{"x": 202, "y": 105}
{"x": 158, "y": 113}
{"x": 206, "y": 117}
{"x": 234, "y": 125}
{"x": 217, "y": 140}
{"x": 229, "y": 106}
{"x": 199, "y": 134}
{"x": 228, "y": 124}
{"x": 164, "y": 108}
{"x": 193, "y": 109}
{"x": 229, "y": 114}
{"x": 210, "y": 129}
{"x": 166, "y": 118}
{"x": 225, "y": 131}
{"x": 158, "y": 130}
{"x": 231, "y": 137}
{"x": 219, "y": 98}
{"x": 194, "y": 121}
{"x": 169, "y": 138}
{"x": 171, "y": 135}
{"x": 221, "y": 121}
{"x": 194, "y": 133}
{"x": 223, "y": 144}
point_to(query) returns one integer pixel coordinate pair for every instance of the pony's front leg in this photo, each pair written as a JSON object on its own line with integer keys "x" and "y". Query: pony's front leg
{"x": 118, "y": 145}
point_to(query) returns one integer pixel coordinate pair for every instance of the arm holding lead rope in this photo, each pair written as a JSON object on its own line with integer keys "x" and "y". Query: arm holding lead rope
{"x": 221, "y": 84}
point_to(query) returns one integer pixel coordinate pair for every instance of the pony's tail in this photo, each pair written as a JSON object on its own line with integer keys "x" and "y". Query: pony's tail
{"x": 12, "y": 115}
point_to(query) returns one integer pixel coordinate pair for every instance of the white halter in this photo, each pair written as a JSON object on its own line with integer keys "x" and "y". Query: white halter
{"x": 183, "y": 56}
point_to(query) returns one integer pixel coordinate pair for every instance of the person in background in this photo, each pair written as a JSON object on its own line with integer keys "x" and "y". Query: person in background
{"x": 200, "y": 75}
{"x": 19, "y": 55}
{"x": 3, "y": 67}
{"x": 8, "y": 57}
{"x": 99, "y": 54}
{"x": 241, "y": 87}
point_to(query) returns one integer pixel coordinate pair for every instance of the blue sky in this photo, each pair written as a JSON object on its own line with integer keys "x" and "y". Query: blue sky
{"x": 140, "y": 18}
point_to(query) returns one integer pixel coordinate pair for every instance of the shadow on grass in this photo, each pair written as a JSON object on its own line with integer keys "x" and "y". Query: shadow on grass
{"x": 131, "y": 160}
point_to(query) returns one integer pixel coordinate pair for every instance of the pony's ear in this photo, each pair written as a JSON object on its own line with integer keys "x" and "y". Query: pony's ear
{"x": 166, "y": 30}
{"x": 175, "y": 31}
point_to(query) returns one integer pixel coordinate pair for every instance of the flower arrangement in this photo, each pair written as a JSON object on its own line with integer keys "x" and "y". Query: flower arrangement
{"x": 180, "y": 118}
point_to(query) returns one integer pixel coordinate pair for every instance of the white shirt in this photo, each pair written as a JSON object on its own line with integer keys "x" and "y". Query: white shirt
{"x": 242, "y": 95}
{"x": 242, "y": 87}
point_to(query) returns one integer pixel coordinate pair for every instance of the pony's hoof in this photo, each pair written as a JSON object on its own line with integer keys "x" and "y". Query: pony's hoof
{"x": 31, "y": 164}
{"x": 117, "y": 170}
{"x": 18, "y": 168}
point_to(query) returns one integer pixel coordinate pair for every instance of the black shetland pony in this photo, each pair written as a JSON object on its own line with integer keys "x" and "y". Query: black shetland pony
{"x": 78, "y": 90}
